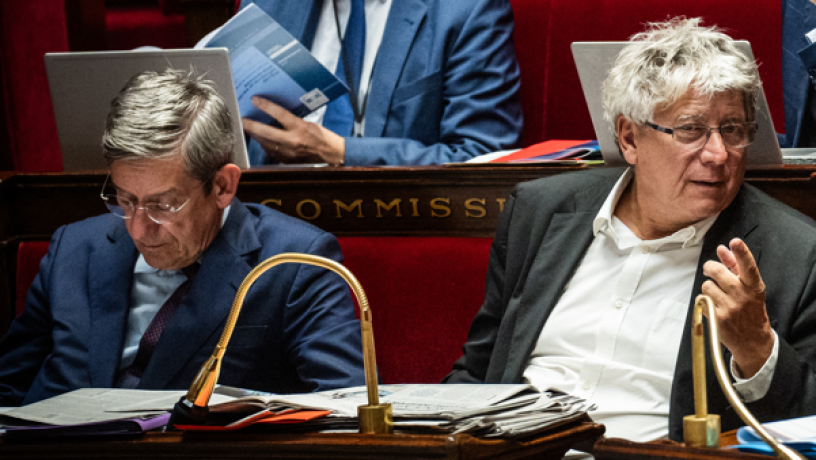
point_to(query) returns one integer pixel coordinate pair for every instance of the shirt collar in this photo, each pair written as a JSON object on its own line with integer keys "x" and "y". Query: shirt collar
{"x": 143, "y": 267}
{"x": 688, "y": 236}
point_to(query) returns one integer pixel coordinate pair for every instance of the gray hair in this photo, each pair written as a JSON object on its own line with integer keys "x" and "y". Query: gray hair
{"x": 162, "y": 114}
{"x": 661, "y": 64}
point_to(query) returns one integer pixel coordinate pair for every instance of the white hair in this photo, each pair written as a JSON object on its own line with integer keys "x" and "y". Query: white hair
{"x": 162, "y": 114}
{"x": 660, "y": 65}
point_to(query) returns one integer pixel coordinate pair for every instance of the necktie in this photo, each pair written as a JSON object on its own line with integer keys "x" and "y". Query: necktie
{"x": 131, "y": 376}
{"x": 339, "y": 115}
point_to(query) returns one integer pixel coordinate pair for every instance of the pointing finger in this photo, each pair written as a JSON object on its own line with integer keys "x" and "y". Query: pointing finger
{"x": 749, "y": 272}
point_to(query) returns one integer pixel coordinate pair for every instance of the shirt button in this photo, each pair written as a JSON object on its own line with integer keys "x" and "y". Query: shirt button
{"x": 586, "y": 386}
{"x": 619, "y": 303}
{"x": 644, "y": 249}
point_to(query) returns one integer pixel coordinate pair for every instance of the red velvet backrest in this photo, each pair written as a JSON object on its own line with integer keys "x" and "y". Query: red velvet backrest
{"x": 566, "y": 114}
{"x": 29, "y": 255}
{"x": 28, "y": 30}
{"x": 423, "y": 293}
{"x": 531, "y": 39}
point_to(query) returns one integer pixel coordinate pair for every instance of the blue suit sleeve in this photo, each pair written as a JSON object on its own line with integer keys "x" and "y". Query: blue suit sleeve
{"x": 28, "y": 342}
{"x": 322, "y": 331}
{"x": 482, "y": 112}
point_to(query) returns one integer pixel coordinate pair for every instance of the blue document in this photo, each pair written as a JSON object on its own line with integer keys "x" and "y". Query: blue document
{"x": 798, "y": 434}
{"x": 268, "y": 61}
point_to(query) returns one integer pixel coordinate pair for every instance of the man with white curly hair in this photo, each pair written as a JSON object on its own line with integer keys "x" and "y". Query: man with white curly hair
{"x": 593, "y": 275}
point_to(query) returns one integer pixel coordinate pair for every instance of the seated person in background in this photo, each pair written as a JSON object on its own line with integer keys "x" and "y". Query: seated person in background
{"x": 592, "y": 275}
{"x": 138, "y": 298}
{"x": 436, "y": 81}
{"x": 799, "y": 72}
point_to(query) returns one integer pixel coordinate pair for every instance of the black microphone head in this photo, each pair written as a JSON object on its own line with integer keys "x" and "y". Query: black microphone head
{"x": 186, "y": 413}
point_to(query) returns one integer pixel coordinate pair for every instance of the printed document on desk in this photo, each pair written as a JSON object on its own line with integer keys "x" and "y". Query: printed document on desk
{"x": 93, "y": 405}
{"x": 480, "y": 410}
{"x": 268, "y": 61}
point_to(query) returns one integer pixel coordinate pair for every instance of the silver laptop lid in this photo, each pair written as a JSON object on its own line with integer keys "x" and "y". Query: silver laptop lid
{"x": 594, "y": 60}
{"x": 84, "y": 84}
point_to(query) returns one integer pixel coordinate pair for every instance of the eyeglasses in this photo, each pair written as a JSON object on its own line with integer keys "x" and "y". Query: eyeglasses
{"x": 160, "y": 213}
{"x": 734, "y": 135}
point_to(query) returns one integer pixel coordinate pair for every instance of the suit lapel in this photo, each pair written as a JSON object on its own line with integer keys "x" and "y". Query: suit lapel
{"x": 111, "y": 268}
{"x": 733, "y": 222}
{"x": 209, "y": 301}
{"x": 562, "y": 248}
{"x": 403, "y": 23}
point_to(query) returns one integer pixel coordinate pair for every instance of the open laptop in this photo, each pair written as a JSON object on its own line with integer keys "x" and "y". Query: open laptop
{"x": 84, "y": 84}
{"x": 594, "y": 60}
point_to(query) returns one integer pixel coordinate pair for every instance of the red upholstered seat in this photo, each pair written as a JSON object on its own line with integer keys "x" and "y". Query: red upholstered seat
{"x": 531, "y": 40}
{"x": 28, "y": 30}
{"x": 423, "y": 293}
{"x": 565, "y": 113}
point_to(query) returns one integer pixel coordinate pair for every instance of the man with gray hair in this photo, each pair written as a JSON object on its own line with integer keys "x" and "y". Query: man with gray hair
{"x": 138, "y": 298}
{"x": 592, "y": 275}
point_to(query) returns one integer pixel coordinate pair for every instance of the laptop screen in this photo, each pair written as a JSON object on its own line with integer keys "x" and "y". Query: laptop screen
{"x": 84, "y": 84}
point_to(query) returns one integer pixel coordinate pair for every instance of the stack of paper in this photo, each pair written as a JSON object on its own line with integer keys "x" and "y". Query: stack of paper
{"x": 91, "y": 412}
{"x": 480, "y": 410}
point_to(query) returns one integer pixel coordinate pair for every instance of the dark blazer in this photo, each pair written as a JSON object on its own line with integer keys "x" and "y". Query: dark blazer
{"x": 544, "y": 232}
{"x": 445, "y": 86}
{"x": 296, "y": 333}
{"x": 798, "y": 58}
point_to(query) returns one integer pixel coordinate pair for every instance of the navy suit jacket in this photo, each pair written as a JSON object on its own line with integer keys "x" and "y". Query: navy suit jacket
{"x": 544, "y": 232}
{"x": 444, "y": 86}
{"x": 296, "y": 333}
{"x": 798, "y": 57}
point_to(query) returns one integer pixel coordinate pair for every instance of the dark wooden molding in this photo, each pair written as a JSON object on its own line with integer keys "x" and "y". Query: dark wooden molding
{"x": 239, "y": 445}
{"x": 622, "y": 449}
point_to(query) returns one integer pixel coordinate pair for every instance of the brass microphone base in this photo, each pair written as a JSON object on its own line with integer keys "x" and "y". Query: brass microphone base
{"x": 701, "y": 431}
{"x": 375, "y": 419}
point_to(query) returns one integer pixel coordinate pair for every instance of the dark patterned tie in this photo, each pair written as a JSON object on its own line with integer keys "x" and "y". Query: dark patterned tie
{"x": 339, "y": 116}
{"x": 131, "y": 376}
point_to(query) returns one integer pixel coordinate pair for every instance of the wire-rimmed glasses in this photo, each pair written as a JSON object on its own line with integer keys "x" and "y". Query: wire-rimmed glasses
{"x": 734, "y": 135}
{"x": 160, "y": 213}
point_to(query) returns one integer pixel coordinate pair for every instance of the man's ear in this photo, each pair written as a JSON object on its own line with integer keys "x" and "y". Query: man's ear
{"x": 225, "y": 184}
{"x": 626, "y": 139}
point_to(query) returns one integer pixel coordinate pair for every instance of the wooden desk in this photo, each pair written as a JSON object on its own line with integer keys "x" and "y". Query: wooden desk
{"x": 622, "y": 449}
{"x": 236, "y": 445}
{"x": 384, "y": 201}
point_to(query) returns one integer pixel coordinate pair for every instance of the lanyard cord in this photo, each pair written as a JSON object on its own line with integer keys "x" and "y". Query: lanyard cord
{"x": 359, "y": 112}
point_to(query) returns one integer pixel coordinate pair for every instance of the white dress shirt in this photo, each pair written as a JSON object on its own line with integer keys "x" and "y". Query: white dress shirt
{"x": 151, "y": 289}
{"x": 614, "y": 334}
{"x": 326, "y": 46}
